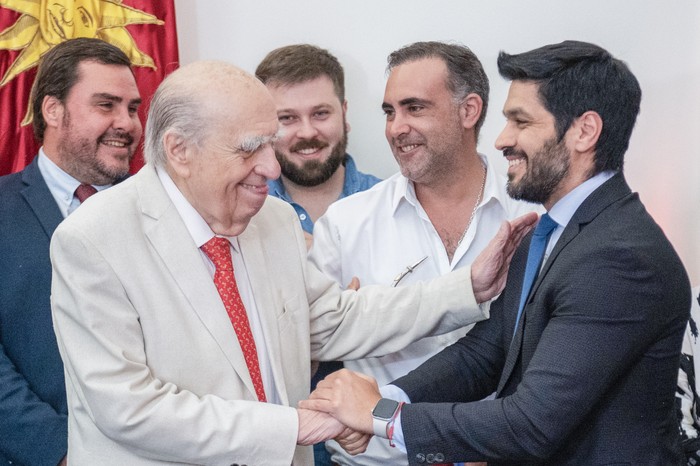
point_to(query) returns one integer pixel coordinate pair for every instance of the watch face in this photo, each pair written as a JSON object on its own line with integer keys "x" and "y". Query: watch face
{"x": 385, "y": 408}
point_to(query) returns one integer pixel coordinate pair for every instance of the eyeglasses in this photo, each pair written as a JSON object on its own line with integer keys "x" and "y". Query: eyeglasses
{"x": 409, "y": 269}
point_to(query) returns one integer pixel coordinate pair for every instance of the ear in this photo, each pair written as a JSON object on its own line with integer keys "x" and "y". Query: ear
{"x": 52, "y": 110}
{"x": 470, "y": 110}
{"x": 586, "y": 132}
{"x": 344, "y": 106}
{"x": 177, "y": 153}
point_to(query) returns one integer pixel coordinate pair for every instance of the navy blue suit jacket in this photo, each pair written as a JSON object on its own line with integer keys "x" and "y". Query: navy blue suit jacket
{"x": 589, "y": 377}
{"x": 33, "y": 412}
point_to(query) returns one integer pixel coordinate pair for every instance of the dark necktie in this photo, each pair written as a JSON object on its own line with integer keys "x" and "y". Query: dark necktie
{"x": 544, "y": 229}
{"x": 219, "y": 251}
{"x": 84, "y": 191}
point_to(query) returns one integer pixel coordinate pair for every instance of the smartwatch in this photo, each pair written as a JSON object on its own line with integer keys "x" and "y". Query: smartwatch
{"x": 384, "y": 412}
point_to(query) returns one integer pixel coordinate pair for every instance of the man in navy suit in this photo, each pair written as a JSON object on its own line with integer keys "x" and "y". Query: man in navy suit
{"x": 584, "y": 365}
{"x": 84, "y": 103}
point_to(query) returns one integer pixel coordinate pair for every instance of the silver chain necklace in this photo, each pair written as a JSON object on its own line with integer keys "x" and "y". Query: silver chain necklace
{"x": 476, "y": 206}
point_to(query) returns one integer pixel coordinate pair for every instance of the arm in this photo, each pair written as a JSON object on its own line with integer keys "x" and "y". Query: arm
{"x": 592, "y": 345}
{"x": 474, "y": 361}
{"x": 565, "y": 385}
{"x": 388, "y": 319}
{"x": 31, "y": 431}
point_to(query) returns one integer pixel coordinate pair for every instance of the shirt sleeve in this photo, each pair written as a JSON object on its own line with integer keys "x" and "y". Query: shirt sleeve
{"x": 395, "y": 393}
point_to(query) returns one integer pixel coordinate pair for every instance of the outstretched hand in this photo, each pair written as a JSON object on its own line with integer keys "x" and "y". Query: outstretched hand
{"x": 347, "y": 396}
{"x": 490, "y": 268}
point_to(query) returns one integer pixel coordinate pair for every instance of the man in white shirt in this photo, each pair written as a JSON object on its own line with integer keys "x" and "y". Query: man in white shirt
{"x": 435, "y": 216}
{"x": 84, "y": 113}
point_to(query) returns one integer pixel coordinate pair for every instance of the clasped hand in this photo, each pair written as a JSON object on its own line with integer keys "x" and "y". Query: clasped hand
{"x": 340, "y": 408}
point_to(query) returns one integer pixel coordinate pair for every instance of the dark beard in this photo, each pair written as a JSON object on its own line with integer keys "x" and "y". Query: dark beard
{"x": 544, "y": 173}
{"x": 80, "y": 157}
{"x": 313, "y": 172}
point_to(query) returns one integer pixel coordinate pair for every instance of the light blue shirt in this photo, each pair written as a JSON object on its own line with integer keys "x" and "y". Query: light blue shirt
{"x": 61, "y": 185}
{"x": 355, "y": 181}
{"x": 561, "y": 212}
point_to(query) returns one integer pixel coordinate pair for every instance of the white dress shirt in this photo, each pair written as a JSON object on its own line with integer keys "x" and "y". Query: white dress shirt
{"x": 201, "y": 233}
{"x": 377, "y": 234}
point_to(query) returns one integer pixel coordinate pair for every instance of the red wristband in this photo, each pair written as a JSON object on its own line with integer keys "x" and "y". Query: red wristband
{"x": 390, "y": 425}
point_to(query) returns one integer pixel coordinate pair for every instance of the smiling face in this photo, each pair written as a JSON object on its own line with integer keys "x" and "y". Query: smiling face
{"x": 225, "y": 178}
{"x": 423, "y": 125}
{"x": 313, "y": 135}
{"x": 94, "y": 133}
{"x": 538, "y": 164}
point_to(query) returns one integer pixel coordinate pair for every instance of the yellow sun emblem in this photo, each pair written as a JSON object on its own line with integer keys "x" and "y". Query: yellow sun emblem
{"x": 45, "y": 23}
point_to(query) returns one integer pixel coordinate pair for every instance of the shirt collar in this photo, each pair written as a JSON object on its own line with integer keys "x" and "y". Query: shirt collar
{"x": 494, "y": 188}
{"x": 349, "y": 183}
{"x": 567, "y": 206}
{"x": 61, "y": 185}
{"x": 199, "y": 229}
{"x": 276, "y": 188}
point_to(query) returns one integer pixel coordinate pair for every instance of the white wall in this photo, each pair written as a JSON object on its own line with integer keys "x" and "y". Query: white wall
{"x": 659, "y": 40}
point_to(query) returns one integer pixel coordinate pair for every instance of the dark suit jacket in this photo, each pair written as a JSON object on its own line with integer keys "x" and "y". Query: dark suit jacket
{"x": 33, "y": 412}
{"x": 589, "y": 377}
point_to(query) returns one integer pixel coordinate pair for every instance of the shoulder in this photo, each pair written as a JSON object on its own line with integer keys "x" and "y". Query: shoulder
{"x": 14, "y": 182}
{"x": 355, "y": 180}
{"x": 371, "y": 203}
{"x": 379, "y": 192}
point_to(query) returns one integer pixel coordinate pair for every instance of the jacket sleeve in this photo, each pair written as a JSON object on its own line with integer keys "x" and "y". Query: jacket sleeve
{"x": 31, "y": 431}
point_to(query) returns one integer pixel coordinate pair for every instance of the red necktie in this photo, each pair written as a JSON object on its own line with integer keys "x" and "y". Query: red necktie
{"x": 84, "y": 191}
{"x": 219, "y": 251}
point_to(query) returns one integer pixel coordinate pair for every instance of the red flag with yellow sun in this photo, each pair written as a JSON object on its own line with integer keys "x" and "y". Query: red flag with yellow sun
{"x": 143, "y": 29}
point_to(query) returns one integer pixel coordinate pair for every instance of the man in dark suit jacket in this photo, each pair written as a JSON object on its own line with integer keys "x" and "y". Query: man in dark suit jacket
{"x": 586, "y": 373}
{"x": 84, "y": 111}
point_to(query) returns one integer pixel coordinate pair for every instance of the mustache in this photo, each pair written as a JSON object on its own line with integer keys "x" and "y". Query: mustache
{"x": 511, "y": 152}
{"x": 408, "y": 140}
{"x": 123, "y": 136}
{"x": 308, "y": 144}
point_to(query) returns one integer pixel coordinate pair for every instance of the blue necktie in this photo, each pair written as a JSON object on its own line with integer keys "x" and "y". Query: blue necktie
{"x": 534, "y": 259}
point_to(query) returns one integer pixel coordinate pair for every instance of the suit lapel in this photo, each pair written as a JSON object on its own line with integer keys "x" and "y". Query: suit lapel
{"x": 569, "y": 233}
{"x": 168, "y": 235}
{"x": 40, "y": 199}
{"x": 257, "y": 265}
{"x": 609, "y": 192}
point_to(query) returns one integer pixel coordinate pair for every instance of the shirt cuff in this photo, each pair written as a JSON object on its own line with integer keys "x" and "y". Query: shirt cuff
{"x": 395, "y": 393}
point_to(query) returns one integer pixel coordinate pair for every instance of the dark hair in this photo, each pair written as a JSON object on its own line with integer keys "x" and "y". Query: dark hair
{"x": 466, "y": 75}
{"x": 299, "y": 63}
{"x": 575, "y": 77}
{"x": 58, "y": 72}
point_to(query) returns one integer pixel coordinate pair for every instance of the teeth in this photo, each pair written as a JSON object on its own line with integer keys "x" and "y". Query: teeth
{"x": 408, "y": 148}
{"x": 114, "y": 143}
{"x": 515, "y": 162}
{"x": 308, "y": 151}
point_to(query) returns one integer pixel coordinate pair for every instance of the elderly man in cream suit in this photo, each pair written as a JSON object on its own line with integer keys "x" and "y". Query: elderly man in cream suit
{"x": 154, "y": 370}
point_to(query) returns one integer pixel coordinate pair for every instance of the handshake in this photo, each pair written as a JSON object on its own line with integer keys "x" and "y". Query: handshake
{"x": 340, "y": 408}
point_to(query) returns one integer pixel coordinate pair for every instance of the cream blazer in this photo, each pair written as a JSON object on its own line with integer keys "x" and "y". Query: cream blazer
{"x": 154, "y": 372}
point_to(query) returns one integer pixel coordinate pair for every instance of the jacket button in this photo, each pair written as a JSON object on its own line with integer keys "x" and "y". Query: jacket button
{"x": 439, "y": 458}
{"x": 430, "y": 458}
{"x": 420, "y": 458}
